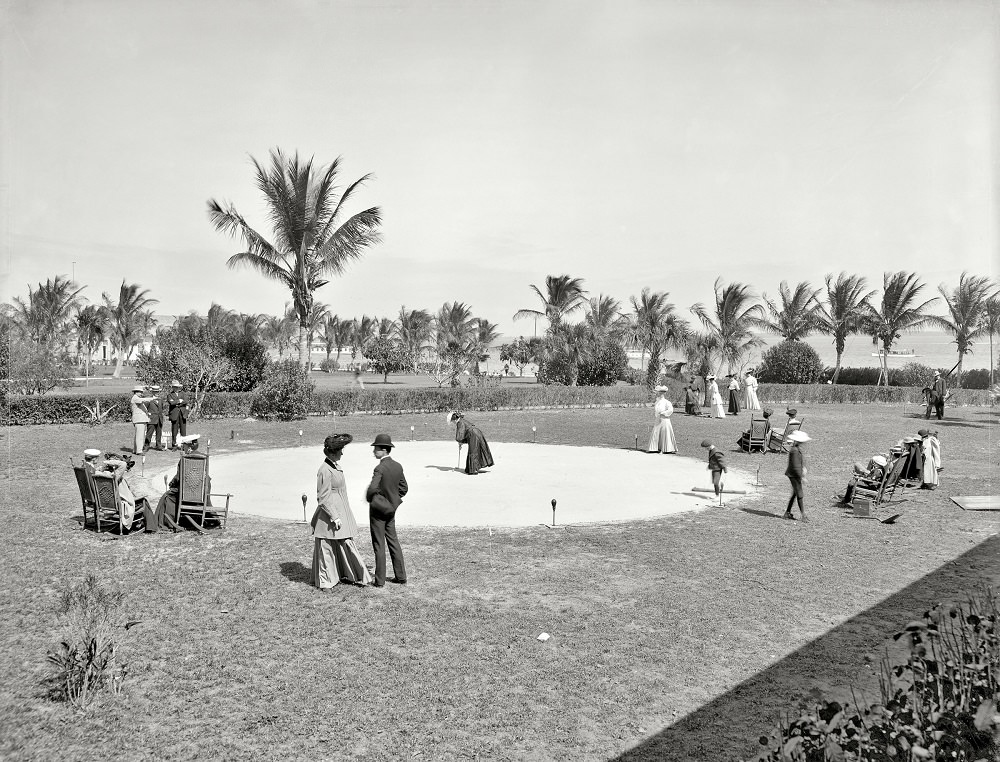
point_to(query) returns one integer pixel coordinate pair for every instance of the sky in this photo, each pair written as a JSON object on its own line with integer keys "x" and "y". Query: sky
{"x": 658, "y": 144}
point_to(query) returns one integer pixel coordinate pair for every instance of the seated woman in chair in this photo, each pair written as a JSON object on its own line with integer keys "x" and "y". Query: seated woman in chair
{"x": 167, "y": 514}
{"x": 869, "y": 476}
{"x": 744, "y": 440}
{"x": 116, "y": 468}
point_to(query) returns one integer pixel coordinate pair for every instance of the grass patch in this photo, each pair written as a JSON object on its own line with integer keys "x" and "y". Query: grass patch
{"x": 238, "y": 657}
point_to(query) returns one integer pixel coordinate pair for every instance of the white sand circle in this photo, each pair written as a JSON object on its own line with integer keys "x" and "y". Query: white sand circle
{"x": 589, "y": 483}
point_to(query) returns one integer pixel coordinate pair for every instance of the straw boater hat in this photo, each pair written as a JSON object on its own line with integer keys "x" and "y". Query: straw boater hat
{"x": 175, "y": 383}
{"x": 454, "y": 415}
{"x": 799, "y": 436}
{"x": 937, "y": 373}
{"x": 138, "y": 388}
{"x": 91, "y": 452}
{"x": 880, "y": 460}
{"x": 662, "y": 388}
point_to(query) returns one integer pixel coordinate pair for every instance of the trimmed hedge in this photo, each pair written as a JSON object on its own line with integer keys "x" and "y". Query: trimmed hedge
{"x": 70, "y": 408}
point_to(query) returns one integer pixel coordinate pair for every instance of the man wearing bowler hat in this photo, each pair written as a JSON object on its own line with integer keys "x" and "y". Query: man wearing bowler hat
{"x": 155, "y": 424}
{"x": 177, "y": 412}
{"x": 385, "y": 493}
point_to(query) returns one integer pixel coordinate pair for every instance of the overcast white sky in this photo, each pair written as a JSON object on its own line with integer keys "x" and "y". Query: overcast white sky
{"x": 632, "y": 144}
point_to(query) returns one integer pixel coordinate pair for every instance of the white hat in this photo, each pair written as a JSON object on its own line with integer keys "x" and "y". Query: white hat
{"x": 454, "y": 415}
{"x": 937, "y": 373}
{"x": 799, "y": 436}
{"x": 710, "y": 376}
{"x": 880, "y": 460}
{"x": 188, "y": 439}
{"x": 662, "y": 388}
{"x": 91, "y": 452}
{"x": 175, "y": 383}
{"x": 138, "y": 388}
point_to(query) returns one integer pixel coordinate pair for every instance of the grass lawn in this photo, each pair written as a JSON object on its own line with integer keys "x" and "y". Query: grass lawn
{"x": 678, "y": 638}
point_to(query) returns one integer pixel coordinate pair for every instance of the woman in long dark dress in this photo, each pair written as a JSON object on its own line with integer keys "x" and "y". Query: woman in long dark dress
{"x": 734, "y": 395}
{"x": 466, "y": 432}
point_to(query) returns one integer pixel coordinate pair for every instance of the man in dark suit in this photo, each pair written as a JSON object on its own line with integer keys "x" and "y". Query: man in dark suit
{"x": 155, "y": 409}
{"x": 796, "y": 473}
{"x": 385, "y": 493}
{"x": 177, "y": 412}
{"x": 940, "y": 390}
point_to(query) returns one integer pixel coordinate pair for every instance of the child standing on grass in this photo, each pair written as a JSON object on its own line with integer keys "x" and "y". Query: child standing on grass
{"x": 796, "y": 472}
{"x": 717, "y": 465}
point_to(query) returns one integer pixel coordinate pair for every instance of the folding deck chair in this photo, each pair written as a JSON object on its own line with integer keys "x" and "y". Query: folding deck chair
{"x": 876, "y": 495}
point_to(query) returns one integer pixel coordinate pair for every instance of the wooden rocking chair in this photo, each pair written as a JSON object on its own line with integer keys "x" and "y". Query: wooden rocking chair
{"x": 756, "y": 437}
{"x": 779, "y": 442}
{"x": 194, "y": 501}
{"x": 108, "y": 502}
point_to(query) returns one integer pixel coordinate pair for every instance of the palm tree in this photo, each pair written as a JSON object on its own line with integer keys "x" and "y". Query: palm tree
{"x": 414, "y": 330}
{"x": 46, "y": 316}
{"x": 485, "y": 334}
{"x": 312, "y": 240}
{"x": 91, "y": 325}
{"x": 799, "y": 313}
{"x": 362, "y": 331}
{"x": 562, "y": 296}
{"x": 843, "y": 313}
{"x": 966, "y": 308}
{"x": 454, "y": 324}
{"x": 991, "y": 320}
{"x": 732, "y": 321}
{"x": 278, "y": 332}
{"x": 129, "y": 321}
{"x": 330, "y": 332}
{"x": 219, "y": 320}
{"x": 655, "y": 325}
{"x": 897, "y": 313}
{"x": 314, "y": 323}
{"x": 604, "y": 317}
{"x": 247, "y": 326}
{"x": 385, "y": 329}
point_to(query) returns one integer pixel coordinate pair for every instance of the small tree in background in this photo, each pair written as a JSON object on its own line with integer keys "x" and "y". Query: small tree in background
{"x": 605, "y": 365}
{"x": 35, "y": 368}
{"x": 284, "y": 393}
{"x": 790, "y": 362}
{"x": 521, "y": 353}
{"x": 386, "y": 356}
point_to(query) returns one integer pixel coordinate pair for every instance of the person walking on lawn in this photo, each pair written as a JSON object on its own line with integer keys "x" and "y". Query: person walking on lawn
{"x": 385, "y": 493}
{"x": 796, "y": 472}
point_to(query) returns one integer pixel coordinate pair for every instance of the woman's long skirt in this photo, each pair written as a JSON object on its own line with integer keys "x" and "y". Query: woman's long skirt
{"x": 734, "y": 402}
{"x": 753, "y": 402}
{"x": 336, "y": 561}
{"x": 662, "y": 438}
{"x": 479, "y": 456}
{"x": 720, "y": 411}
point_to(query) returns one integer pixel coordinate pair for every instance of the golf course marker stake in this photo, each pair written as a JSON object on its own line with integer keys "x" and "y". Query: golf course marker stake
{"x": 553, "y": 511}
{"x": 305, "y": 499}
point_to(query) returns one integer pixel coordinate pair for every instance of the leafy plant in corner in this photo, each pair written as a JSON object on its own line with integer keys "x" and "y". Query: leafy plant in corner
{"x": 98, "y": 416}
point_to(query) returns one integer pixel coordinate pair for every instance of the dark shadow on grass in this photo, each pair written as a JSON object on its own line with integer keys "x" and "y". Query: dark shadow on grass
{"x": 701, "y": 734}
{"x": 933, "y": 422}
{"x": 765, "y": 514}
{"x": 294, "y": 571}
{"x": 447, "y": 468}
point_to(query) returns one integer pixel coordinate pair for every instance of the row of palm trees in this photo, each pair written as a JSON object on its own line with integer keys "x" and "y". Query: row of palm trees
{"x": 728, "y": 329}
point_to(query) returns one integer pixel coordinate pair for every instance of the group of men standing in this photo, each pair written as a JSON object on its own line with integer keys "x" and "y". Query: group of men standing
{"x": 148, "y": 415}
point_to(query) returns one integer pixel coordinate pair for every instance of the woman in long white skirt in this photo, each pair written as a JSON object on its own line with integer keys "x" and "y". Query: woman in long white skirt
{"x": 713, "y": 394}
{"x": 750, "y": 383}
{"x": 662, "y": 438}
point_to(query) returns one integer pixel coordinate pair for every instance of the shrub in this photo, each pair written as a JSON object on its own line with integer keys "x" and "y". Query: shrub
{"x": 604, "y": 367}
{"x": 790, "y": 362}
{"x": 36, "y": 368}
{"x": 386, "y": 356}
{"x": 940, "y": 704}
{"x": 976, "y": 379}
{"x": 284, "y": 393}
{"x": 248, "y": 359}
{"x": 329, "y": 366}
{"x": 911, "y": 374}
{"x": 86, "y": 660}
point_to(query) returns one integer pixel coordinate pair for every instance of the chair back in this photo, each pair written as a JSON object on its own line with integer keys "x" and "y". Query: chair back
{"x": 790, "y": 427}
{"x": 758, "y": 433}
{"x": 894, "y": 474}
{"x": 193, "y": 489}
{"x": 105, "y": 492}
{"x": 86, "y": 487}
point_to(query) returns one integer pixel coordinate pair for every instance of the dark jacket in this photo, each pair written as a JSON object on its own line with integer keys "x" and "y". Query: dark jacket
{"x": 388, "y": 486}
{"x": 795, "y": 463}
{"x": 178, "y": 406}
{"x": 716, "y": 460}
{"x": 155, "y": 410}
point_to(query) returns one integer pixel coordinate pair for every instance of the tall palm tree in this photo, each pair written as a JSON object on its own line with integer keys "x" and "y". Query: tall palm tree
{"x": 991, "y": 319}
{"x": 454, "y": 324}
{"x": 485, "y": 334}
{"x": 966, "y": 307}
{"x": 362, "y": 331}
{"x": 414, "y": 330}
{"x": 91, "y": 325}
{"x": 219, "y": 320}
{"x": 655, "y": 324}
{"x": 312, "y": 238}
{"x": 129, "y": 321}
{"x": 314, "y": 320}
{"x": 732, "y": 320}
{"x": 46, "y": 316}
{"x": 604, "y": 317}
{"x": 278, "y": 332}
{"x": 562, "y": 296}
{"x": 701, "y": 348}
{"x": 247, "y": 325}
{"x": 330, "y": 332}
{"x": 799, "y": 312}
{"x": 385, "y": 329}
{"x": 896, "y": 313}
{"x": 843, "y": 312}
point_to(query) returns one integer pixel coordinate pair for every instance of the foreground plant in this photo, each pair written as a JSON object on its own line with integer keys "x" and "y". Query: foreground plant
{"x": 940, "y": 705}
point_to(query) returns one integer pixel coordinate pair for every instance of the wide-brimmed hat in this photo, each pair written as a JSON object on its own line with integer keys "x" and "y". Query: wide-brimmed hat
{"x": 188, "y": 439}
{"x": 880, "y": 460}
{"x": 937, "y": 373}
{"x": 336, "y": 442}
{"x": 923, "y": 433}
{"x": 909, "y": 440}
{"x": 706, "y": 443}
{"x": 767, "y": 412}
{"x": 383, "y": 440}
{"x": 792, "y": 412}
{"x": 799, "y": 436}
{"x": 138, "y": 388}
{"x": 661, "y": 388}
{"x": 154, "y": 388}
{"x": 176, "y": 383}
{"x": 454, "y": 415}
{"x": 91, "y": 452}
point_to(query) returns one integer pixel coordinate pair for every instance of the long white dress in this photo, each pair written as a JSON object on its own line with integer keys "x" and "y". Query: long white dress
{"x": 713, "y": 391}
{"x": 928, "y": 469}
{"x": 751, "y": 393}
{"x": 662, "y": 438}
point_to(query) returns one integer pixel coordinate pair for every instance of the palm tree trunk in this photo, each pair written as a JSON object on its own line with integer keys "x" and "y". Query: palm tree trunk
{"x": 958, "y": 372}
{"x": 118, "y": 363}
{"x": 836, "y": 370}
{"x": 304, "y": 347}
